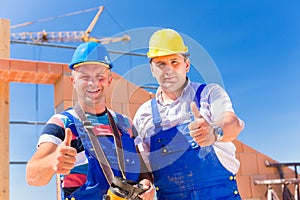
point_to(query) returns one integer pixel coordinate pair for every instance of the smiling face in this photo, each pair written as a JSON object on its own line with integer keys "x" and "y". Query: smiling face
{"x": 91, "y": 82}
{"x": 170, "y": 71}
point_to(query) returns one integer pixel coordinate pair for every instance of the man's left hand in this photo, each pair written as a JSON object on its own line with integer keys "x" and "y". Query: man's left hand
{"x": 200, "y": 129}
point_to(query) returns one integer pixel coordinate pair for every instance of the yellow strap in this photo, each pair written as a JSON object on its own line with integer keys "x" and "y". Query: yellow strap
{"x": 92, "y": 62}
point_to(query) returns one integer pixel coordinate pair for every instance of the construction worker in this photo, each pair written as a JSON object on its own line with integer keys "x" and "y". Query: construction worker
{"x": 185, "y": 133}
{"x": 64, "y": 148}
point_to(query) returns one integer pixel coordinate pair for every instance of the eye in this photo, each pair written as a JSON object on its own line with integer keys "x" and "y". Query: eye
{"x": 174, "y": 62}
{"x": 84, "y": 77}
{"x": 160, "y": 64}
{"x": 100, "y": 77}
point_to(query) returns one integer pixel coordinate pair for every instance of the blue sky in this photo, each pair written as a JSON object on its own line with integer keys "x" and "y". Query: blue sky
{"x": 253, "y": 47}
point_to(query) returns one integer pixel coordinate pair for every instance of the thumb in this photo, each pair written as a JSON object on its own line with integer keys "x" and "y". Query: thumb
{"x": 195, "y": 110}
{"x": 68, "y": 137}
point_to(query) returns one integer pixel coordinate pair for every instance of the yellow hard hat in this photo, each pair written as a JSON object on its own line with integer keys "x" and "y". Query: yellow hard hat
{"x": 166, "y": 42}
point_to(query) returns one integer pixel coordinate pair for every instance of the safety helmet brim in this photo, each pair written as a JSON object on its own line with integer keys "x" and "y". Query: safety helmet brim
{"x": 90, "y": 63}
{"x": 153, "y": 53}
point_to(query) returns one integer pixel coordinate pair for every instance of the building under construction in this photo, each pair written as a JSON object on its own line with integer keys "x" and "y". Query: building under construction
{"x": 259, "y": 175}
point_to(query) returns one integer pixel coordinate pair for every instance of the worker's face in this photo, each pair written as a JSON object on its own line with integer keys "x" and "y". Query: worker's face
{"x": 91, "y": 82}
{"x": 170, "y": 71}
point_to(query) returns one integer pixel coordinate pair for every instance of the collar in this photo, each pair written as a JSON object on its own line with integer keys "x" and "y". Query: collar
{"x": 159, "y": 92}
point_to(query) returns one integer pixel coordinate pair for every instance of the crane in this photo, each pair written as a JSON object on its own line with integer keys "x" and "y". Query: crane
{"x": 66, "y": 36}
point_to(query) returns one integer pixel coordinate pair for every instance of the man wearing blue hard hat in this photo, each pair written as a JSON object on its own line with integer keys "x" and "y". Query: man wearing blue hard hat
{"x": 89, "y": 145}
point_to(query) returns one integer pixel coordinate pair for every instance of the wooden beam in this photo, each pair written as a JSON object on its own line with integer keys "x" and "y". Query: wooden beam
{"x": 4, "y": 38}
{"x": 4, "y": 110}
{"x": 4, "y": 140}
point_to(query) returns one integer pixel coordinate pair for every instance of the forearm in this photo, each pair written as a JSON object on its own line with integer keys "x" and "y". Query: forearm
{"x": 39, "y": 170}
{"x": 231, "y": 125}
{"x": 145, "y": 172}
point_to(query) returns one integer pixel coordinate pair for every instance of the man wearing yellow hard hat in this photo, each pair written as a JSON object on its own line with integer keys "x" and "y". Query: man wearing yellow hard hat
{"x": 185, "y": 133}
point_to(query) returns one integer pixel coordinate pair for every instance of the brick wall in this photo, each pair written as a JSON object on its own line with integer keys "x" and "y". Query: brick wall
{"x": 125, "y": 97}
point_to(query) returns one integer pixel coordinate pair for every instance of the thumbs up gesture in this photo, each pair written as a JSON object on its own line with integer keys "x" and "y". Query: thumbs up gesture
{"x": 200, "y": 129}
{"x": 64, "y": 156}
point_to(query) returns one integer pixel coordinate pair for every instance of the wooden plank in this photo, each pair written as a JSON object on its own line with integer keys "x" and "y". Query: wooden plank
{"x": 4, "y": 140}
{"x": 4, "y": 110}
{"x": 4, "y": 38}
{"x": 58, "y": 190}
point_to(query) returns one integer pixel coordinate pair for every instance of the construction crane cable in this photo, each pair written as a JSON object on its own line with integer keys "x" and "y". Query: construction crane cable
{"x": 122, "y": 29}
{"x": 117, "y": 23}
{"x": 53, "y": 18}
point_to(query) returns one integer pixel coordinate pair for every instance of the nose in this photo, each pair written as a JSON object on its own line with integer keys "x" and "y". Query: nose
{"x": 168, "y": 70}
{"x": 91, "y": 81}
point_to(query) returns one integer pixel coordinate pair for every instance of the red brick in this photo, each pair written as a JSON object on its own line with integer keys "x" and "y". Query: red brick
{"x": 22, "y": 65}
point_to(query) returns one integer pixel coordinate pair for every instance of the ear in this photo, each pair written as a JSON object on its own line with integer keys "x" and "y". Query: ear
{"x": 109, "y": 79}
{"x": 72, "y": 79}
{"x": 152, "y": 70}
{"x": 188, "y": 64}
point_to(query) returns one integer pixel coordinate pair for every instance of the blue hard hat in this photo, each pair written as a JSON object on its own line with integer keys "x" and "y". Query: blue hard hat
{"x": 90, "y": 52}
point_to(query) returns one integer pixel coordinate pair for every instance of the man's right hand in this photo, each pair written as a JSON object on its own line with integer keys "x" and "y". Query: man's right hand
{"x": 64, "y": 156}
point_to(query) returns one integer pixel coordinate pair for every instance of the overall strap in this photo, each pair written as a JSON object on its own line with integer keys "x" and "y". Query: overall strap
{"x": 197, "y": 97}
{"x": 155, "y": 112}
{"x": 103, "y": 162}
{"x": 72, "y": 126}
{"x": 118, "y": 142}
{"x": 156, "y": 116}
{"x": 121, "y": 123}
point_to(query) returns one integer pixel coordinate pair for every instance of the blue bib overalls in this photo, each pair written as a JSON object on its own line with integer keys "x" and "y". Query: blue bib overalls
{"x": 96, "y": 185}
{"x": 182, "y": 170}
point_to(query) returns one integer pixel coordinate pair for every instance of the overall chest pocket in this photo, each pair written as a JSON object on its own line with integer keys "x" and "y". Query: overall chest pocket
{"x": 131, "y": 159}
